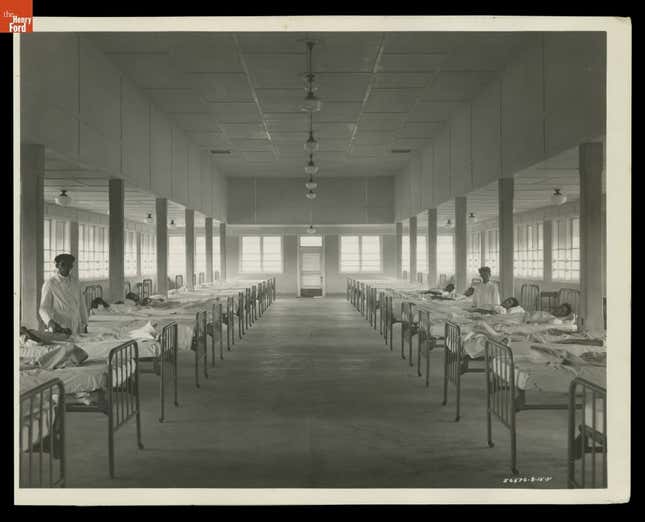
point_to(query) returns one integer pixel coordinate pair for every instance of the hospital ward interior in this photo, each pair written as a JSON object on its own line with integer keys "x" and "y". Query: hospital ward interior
{"x": 312, "y": 260}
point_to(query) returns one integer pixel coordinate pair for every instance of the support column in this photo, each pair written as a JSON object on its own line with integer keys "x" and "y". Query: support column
{"x": 413, "y": 249}
{"x": 431, "y": 242}
{"x": 547, "y": 240}
{"x": 506, "y": 246}
{"x": 116, "y": 238}
{"x": 189, "y": 236}
{"x": 208, "y": 236}
{"x": 139, "y": 240}
{"x": 399, "y": 248}
{"x": 32, "y": 215}
{"x": 591, "y": 235}
{"x": 74, "y": 243}
{"x": 222, "y": 251}
{"x": 161, "y": 209}
{"x": 461, "y": 244}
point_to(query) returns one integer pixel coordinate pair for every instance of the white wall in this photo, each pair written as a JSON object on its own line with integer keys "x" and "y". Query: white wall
{"x": 550, "y": 98}
{"x": 79, "y": 105}
{"x": 287, "y": 281}
{"x": 282, "y": 201}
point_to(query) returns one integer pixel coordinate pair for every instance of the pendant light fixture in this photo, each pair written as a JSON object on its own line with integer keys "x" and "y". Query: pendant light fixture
{"x": 310, "y": 194}
{"x": 63, "y": 199}
{"x": 311, "y": 103}
{"x": 172, "y": 224}
{"x": 311, "y": 168}
{"x": 311, "y": 145}
{"x": 472, "y": 218}
{"x": 557, "y": 198}
{"x": 449, "y": 224}
{"x": 148, "y": 219}
{"x": 311, "y": 230}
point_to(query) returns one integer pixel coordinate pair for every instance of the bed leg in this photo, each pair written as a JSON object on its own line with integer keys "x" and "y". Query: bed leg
{"x": 138, "y": 405}
{"x": 213, "y": 348}
{"x": 489, "y": 425}
{"x": 402, "y": 340}
{"x": 513, "y": 443}
{"x": 419, "y": 356}
{"x": 410, "y": 361}
{"x": 221, "y": 341}
{"x": 196, "y": 368}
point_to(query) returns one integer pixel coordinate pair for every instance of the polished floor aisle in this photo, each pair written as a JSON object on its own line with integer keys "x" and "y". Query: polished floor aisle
{"x": 311, "y": 397}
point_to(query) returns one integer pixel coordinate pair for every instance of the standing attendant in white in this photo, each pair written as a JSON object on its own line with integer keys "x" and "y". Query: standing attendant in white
{"x": 62, "y": 307}
{"x": 486, "y": 293}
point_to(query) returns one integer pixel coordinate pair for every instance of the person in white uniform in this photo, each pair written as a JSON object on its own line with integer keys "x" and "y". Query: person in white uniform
{"x": 62, "y": 307}
{"x": 486, "y": 293}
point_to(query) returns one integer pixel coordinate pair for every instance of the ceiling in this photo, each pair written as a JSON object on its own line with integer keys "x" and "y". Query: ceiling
{"x": 242, "y": 92}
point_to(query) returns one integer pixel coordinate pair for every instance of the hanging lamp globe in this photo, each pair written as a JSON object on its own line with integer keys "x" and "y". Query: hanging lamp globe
{"x": 311, "y": 145}
{"x": 148, "y": 219}
{"x": 311, "y": 168}
{"x": 310, "y": 194}
{"x": 63, "y": 199}
{"x": 311, "y": 102}
{"x": 172, "y": 224}
{"x": 557, "y": 198}
{"x": 311, "y": 184}
{"x": 311, "y": 230}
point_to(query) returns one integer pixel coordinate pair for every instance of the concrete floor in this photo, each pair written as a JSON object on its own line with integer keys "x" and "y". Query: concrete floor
{"x": 313, "y": 398}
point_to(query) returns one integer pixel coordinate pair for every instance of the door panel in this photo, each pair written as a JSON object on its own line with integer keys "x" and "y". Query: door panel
{"x": 310, "y": 271}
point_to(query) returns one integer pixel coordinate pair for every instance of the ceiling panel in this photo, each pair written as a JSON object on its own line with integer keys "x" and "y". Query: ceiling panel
{"x": 214, "y": 140}
{"x": 456, "y": 85}
{"x": 251, "y": 145}
{"x": 381, "y": 122}
{"x": 244, "y": 130}
{"x": 177, "y": 100}
{"x": 433, "y": 111}
{"x": 235, "y": 112}
{"x": 196, "y": 122}
{"x": 410, "y": 62}
{"x": 420, "y": 130}
{"x": 402, "y": 80}
{"x": 391, "y": 100}
{"x": 222, "y": 87}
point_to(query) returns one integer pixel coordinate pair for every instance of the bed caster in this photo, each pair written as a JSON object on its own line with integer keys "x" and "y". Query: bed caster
{"x": 140, "y": 445}
{"x": 176, "y": 404}
{"x": 161, "y": 419}
{"x": 457, "y": 418}
{"x": 491, "y": 444}
{"x": 443, "y": 403}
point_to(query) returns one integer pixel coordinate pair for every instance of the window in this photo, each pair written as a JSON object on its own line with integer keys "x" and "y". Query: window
{"x": 56, "y": 241}
{"x": 130, "y": 253}
{"x": 261, "y": 254}
{"x": 528, "y": 255}
{"x": 93, "y": 254}
{"x": 422, "y": 255}
{"x": 566, "y": 249}
{"x": 491, "y": 251}
{"x": 474, "y": 253}
{"x": 405, "y": 254}
{"x": 217, "y": 260}
{"x": 148, "y": 254}
{"x": 360, "y": 254}
{"x": 311, "y": 241}
{"x": 176, "y": 256}
{"x": 446, "y": 255}
{"x": 200, "y": 255}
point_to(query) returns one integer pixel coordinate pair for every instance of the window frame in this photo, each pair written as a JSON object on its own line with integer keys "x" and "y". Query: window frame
{"x": 524, "y": 253}
{"x": 97, "y": 257}
{"x": 360, "y": 254}
{"x": 569, "y": 248}
{"x": 262, "y": 270}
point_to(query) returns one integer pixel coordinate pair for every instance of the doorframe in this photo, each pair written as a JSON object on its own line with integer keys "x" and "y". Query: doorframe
{"x": 323, "y": 271}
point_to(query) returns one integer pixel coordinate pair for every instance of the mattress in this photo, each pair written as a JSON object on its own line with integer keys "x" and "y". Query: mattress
{"x": 90, "y": 376}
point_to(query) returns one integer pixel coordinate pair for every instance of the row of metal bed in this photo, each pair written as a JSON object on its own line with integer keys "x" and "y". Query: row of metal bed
{"x": 221, "y": 311}
{"x": 506, "y": 376}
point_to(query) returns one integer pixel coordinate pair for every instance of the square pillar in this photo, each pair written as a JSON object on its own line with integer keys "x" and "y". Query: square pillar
{"x": 161, "y": 209}
{"x": 461, "y": 244}
{"x": 591, "y": 235}
{"x": 208, "y": 237}
{"x": 547, "y": 238}
{"x": 413, "y": 249}
{"x": 32, "y": 216}
{"x": 190, "y": 247}
{"x": 222, "y": 250}
{"x": 73, "y": 242}
{"x": 139, "y": 240}
{"x": 506, "y": 240}
{"x": 431, "y": 244}
{"x": 116, "y": 238}
{"x": 399, "y": 248}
